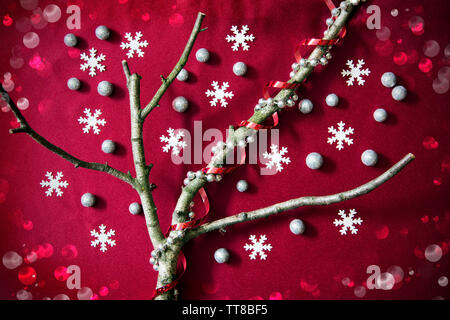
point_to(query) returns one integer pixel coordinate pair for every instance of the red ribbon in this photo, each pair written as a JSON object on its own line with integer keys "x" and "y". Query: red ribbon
{"x": 255, "y": 126}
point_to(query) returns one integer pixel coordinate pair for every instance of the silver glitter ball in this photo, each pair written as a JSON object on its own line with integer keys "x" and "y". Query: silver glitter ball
{"x": 314, "y": 160}
{"x": 180, "y": 104}
{"x": 388, "y": 79}
{"x": 332, "y": 100}
{"x": 380, "y": 115}
{"x": 102, "y": 32}
{"x": 305, "y": 106}
{"x": 369, "y": 158}
{"x": 183, "y": 75}
{"x": 70, "y": 40}
{"x": 239, "y": 69}
{"x": 105, "y": 88}
{"x": 108, "y": 146}
{"x": 88, "y": 200}
{"x": 202, "y": 55}
{"x": 242, "y": 185}
{"x": 297, "y": 226}
{"x": 135, "y": 208}
{"x": 221, "y": 255}
{"x": 399, "y": 93}
{"x": 74, "y": 84}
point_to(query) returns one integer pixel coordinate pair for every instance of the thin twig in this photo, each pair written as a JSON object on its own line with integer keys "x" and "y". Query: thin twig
{"x": 180, "y": 65}
{"x": 26, "y": 128}
{"x": 303, "y": 201}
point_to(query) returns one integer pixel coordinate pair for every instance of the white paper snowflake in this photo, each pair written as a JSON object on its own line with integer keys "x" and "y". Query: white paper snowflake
{"x": 173, "y": 141}
{"x": 240, "y": 38}
{"x": 103, "y": 238}
{"x": 347, "y": 222}
{"x": 355, "y": 72}
{"x": 340, "y": 135}
{"x": 276, "y": 157}
{"x": 93, "y": 62}
{"x": 92, "y": 121}
{"x": 134, "y": 45}
{"x": 258, "y": 247}
{"x": 54, "y": 184}
{"x": 219, "y": 94}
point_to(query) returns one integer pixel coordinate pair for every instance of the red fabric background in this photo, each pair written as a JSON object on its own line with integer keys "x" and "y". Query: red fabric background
{"x": 409, "y": 212}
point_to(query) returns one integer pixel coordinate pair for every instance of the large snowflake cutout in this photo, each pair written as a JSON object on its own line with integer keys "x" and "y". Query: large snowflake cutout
{"x": 240, "y": 38}
{"x": 276, "y": 157}
{"x": 258, "y": 247}
{"x": 92, "y": 121}
{"x": 54, "y": 184}
{"x": 347, "y": 222}
{"x": 103, "y": 238}
{"x": 355, "y": 72}
{"x": 173, "y": 141}
{"x": 340, "y": 135}
{"x": 134, "y": 45}
{"x": 219, "y": 94}
{"x": 93, "y": 62}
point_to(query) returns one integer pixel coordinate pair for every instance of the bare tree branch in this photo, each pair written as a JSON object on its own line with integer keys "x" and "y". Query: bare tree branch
{"x": 299, "y": 202}
{"x": 180, "y": 213}
{"x": 166, "y": 82}
{"x": 26, "y": 128}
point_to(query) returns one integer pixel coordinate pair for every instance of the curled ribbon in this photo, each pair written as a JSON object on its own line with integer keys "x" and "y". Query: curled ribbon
{"x": 181, "y": 263}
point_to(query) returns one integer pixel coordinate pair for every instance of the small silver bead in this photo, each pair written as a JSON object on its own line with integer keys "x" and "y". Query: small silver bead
{"x": 152, "y": 260}
{"x": 218, "y": 177}
{"x": 257, "y": 107}
{"x": 295, "y": 97}
{"x": 242, "y": 185}
{"x": 230, "y": 144}
{"x": 190, "y": 175}
{"x": 323, "y": 61}
{"x": 105, "y": 88}
{"x": 305, "y": 106}
{"x": 88, "y": 200}
{"x": 74, "y": 84}
{"x": 155, "y": 267}
{"x": 291, "y": 74}
{"x": 250, "y": 139}
{"x": 239, "y": 69}
{"x": 335, "y": 12}
{"x": 290, "y": 102}
{"x": 261, "y": 101}
{"x": 354, "y": 2}
{"x": 302, "y": 62}
{"x": 241, "y": 143}
{"x": 343, "y": 5}
{"x": 170, "y": 241}
{"x": 280, "y": 104}
{"x": 102, "y": 32}
{"x": 269, "y": 101}
{"x": 183, "y": 75}
{"x": 294, "y": 66}
{"x": 186, "y": 181}
{"x": 191, "y": 214}
{"x": 329, "y": 21}
{"x": 328, "y": 56}
{"x": 135, "y": 208}
{"x": 155, "y": 253}
{"x": 199, "y": 174}
{"x": 210, "y": 178}
{"x": 108, "y": 146}
{"x": 70, "y": 40}
{"x": 180, "y": 104}
{"x": 202, "y": 55}
{"x": 332, "y": 100}
{"x": 313, "y": 62}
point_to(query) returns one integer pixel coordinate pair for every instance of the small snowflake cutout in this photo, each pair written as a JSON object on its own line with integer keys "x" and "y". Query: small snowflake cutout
{"x": 276, "y": 157}
{"x": 134, "y": 45}
{"x": 173, "y": 141}
{"x": 340, "y": 136}
{"x": 355, "y": 72}
{"x": 240, "y": 38}
{"x": 219, "y": 94}
{"x": 347, "y": 222}
{"x": 92, "y": 121}
{"x": 258, "y": 247}
{"x": 103, "y": 239}
{"x": 54, "y": 184}
{"x": 92, "y": 62}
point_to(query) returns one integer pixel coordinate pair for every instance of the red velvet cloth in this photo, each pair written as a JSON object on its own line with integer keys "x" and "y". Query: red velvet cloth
{"x": 400, "y": 219}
